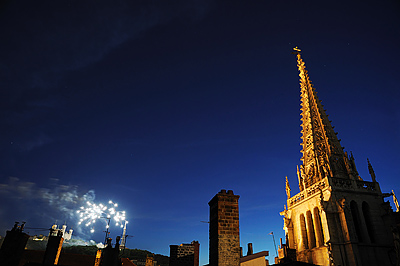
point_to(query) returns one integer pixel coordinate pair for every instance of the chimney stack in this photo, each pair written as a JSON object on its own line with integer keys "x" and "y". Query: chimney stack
{"x": 224, "y": 229}
{"x": 249, "y": 249}
{"x": 13, "y": 245}
{"x": 53, "y": 248}
{"x": 109, "y": 256}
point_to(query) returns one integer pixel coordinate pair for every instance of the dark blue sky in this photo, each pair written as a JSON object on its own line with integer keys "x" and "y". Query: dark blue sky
{"x": 159, "y": 105}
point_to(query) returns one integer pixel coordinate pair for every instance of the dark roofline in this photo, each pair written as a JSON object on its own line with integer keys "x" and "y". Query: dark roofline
{"x": 254, "y": 256}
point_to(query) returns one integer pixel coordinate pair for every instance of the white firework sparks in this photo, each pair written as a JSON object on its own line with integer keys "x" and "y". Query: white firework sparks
{"x": 108, "y": 213}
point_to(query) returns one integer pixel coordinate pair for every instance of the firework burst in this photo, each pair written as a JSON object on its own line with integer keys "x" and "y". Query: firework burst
{"x": 107, "y": 212}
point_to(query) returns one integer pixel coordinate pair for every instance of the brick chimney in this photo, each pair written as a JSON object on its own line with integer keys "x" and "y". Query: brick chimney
{"x": 249, "y": 249}
{"x": 224, "y": 229}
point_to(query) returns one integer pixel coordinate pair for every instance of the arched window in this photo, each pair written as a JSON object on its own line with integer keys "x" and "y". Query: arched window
{"x": 319, "y": 232}
{"x": 368, "y": 222}
{"x": 310, "y": 230}
{"x": 356, "y": 220}
{"x": 303, "y": 229}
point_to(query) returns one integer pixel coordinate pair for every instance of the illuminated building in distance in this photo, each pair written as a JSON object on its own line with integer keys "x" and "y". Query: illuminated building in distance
{"x": 184, "y": 254}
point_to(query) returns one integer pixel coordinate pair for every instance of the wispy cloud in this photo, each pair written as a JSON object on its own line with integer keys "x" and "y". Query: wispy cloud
{"x": 27, "y": 200}
{"x": 41, "y": 206}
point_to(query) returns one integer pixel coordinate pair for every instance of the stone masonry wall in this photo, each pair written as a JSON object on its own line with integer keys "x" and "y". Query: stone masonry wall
{"x": 224, "y": 229}
{"x": 184, "y": 254}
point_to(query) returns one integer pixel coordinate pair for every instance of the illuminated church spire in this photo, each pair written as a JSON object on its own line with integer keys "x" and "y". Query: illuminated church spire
{"x": 322, "y": 153}
{"x": 336, "y": 217}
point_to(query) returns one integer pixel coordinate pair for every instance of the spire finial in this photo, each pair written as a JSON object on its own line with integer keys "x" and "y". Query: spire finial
{"x": 371, "y": 171}
{"x": 296, "y": 51}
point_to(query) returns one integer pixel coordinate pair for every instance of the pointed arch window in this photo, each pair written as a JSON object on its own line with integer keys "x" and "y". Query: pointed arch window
{"x": 310, "y": 230}
{"x": 367, "y": 217}
{"x": 319, "y": 233}
{"x": 303, "y": 229}
{"x": 356, "y": 220}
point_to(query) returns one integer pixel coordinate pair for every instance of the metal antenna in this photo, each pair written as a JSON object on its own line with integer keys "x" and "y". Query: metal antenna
{"x": 273, "y": 237}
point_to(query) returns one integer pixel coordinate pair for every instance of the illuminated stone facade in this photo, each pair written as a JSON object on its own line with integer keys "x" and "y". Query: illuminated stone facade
{"x": 184, "y": 254}
{"x": 337, "y": 218}
{"x": 149, "y": 261}
{"x": 224, "y": 229}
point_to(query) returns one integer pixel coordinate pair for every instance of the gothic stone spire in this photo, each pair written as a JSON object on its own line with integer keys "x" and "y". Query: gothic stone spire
{"x": 322, "y": 153}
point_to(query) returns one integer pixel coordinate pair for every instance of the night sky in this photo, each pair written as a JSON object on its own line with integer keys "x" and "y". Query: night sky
{"x": 158, "y": 105}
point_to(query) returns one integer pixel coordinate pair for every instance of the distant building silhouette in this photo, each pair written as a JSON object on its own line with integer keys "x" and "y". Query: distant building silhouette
{"x": 184, "y": 254}
{"x": 224, "y": 229}
{"x": 337, "y": 218}
{"x": 146, "y": 262}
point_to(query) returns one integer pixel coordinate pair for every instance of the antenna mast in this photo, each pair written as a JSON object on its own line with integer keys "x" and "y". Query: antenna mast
{"x": 123, "y": 239}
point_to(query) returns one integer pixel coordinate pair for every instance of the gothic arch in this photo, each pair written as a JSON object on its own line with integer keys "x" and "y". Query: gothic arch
{"x": 356, "y": 220}
{"x": 367, "y": 217}
{"x": 319, "y": 233}
{"x": 310, "y": 230}
{"x": 303, "y": 231}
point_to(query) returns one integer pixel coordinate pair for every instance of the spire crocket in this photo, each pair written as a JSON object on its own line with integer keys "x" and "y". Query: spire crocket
{"x": 322, "y": 153}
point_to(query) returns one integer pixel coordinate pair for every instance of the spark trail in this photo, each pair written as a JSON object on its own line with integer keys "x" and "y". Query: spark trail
{"x": 107, "y": 212}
